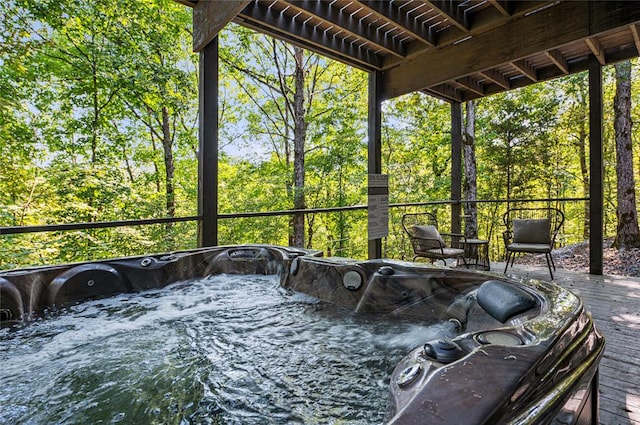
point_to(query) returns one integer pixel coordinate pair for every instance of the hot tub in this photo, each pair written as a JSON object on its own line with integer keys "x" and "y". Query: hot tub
{"x": 510, "y": 351}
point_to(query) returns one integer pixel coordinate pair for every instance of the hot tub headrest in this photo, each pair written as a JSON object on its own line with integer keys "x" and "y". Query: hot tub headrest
{"x": 503, "y": 300}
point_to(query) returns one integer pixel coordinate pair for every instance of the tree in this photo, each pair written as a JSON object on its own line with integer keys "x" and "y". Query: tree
{"x": 290, "y": 101}
{"x": 470, "y": 185}
{"x": 573, "y": 90}
{"x": 299, "y": 138}
{"x": 158, "y": 81}
{"x": 517, "y": 128}
{"x": 627, "y": 232}
{"x": 416, "y": 148}
{"x": 75, "y": 150}
{"x": 282, "y": 101}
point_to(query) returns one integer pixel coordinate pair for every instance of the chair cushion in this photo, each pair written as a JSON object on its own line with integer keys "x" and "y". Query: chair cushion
{"x": 448, "y": 252}
{"x": 532, "y": 231}
{"x": 539, "y": 248}
{"x": 427, "y": 232}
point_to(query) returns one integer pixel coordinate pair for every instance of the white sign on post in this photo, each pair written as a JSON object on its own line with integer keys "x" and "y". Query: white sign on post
{"x": 378, "y": 206}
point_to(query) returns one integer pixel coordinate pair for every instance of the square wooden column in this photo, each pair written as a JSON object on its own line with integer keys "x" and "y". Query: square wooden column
{"x": 596, "y": 194}
{"x": 375, "y": 142}
{"x": 456, "y": 166}
{"x": 208, "y": 146}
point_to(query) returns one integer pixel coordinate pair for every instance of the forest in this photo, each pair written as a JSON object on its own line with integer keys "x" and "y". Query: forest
{"x": 99, "y": 114}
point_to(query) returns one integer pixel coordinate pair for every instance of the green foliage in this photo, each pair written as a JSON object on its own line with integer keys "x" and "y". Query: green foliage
{"x": 98, "y": 103}
{"x": 417, "y": 148}
{"x": 86, "y": 83}
{"x": 515, "y": 135}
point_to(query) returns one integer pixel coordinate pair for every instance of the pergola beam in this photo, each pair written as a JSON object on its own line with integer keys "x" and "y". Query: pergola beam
{"x": 209, "y": 17}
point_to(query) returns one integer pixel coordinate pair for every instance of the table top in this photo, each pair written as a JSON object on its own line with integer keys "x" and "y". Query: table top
{"x": 477, "y": 241}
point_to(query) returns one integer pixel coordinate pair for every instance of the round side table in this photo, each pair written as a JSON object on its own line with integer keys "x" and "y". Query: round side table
{"x": 477, "y": 254}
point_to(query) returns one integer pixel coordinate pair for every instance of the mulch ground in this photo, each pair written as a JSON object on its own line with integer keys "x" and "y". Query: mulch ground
{"x": 624, "y": 262}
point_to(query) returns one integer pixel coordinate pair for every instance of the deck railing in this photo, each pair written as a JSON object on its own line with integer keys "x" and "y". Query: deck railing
{"x": 350, "y": 240}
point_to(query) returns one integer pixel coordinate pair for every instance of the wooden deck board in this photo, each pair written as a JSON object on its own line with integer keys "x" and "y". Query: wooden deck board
{"x": 614, "y": 303}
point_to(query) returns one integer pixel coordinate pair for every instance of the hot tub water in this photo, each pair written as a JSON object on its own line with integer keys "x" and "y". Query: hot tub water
{"x": 226, "y": 349}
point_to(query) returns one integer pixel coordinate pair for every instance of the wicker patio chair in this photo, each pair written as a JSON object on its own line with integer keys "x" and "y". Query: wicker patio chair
{"x": 531, "y": 231}
{"x": 428, "y": 242}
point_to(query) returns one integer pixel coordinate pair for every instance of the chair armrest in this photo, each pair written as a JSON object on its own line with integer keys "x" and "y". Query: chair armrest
{"x": 460, "y": 235}
{"x": 423, "y": 244}
{"x": 507, "y": 236}
{"x": 456, "y": 240}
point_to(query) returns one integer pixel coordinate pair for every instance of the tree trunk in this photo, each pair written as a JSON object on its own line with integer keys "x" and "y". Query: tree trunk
{"x": 470, "y": 186}
{"x": 584, "y": 171}
{"x": 508, "y": 173}
{"x": 627, "y": 234}
{"x": 152, "y": 135}
{"x": 95, "y": 122}
{"x": 299, "y": 135}
{"x": 167, "y": 144}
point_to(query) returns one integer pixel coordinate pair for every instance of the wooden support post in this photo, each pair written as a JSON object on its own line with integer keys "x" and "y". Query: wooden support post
{"x": 375, "y": 143}
{"x": 208, "y": 146}
{"x": 456, "y": 166}
{"x": 596, "y": 194}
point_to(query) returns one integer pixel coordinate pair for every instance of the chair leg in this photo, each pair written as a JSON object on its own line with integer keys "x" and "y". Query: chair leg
{"x": 549, "y": 264}
{"x": 506, "y": 266}
{"x": 552, "y": 263}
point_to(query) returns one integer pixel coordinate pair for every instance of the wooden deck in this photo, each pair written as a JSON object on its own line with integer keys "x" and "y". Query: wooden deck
{"x": 614, "y": 303}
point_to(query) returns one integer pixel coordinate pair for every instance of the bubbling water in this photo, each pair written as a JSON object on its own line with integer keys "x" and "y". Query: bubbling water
{"x": 224, "y": 349}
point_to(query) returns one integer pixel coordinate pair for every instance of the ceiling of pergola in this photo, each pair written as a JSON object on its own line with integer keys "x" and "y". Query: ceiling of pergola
{"x": 454, "y": 50}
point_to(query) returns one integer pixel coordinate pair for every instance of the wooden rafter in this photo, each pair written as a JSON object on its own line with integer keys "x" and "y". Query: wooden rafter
{"x": 502, "y": 6}
{"x": 556, "y": 57}
{"x": 526, "y": 69}
{"x": 452, "y": 11}
{"x": 635, "y": 30}
{"x": 326, "y": 13}
{"x": 472, "y": 85}
{"x": 546, "y": 30}
{"x": 596, "y": 49}
{"x": 265, "y": 19}
{"x": 455, "y": 49}
{"x": 497, "y": 78}
{"x": 446, "y": 92}
{"x": 412, "y": 26}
